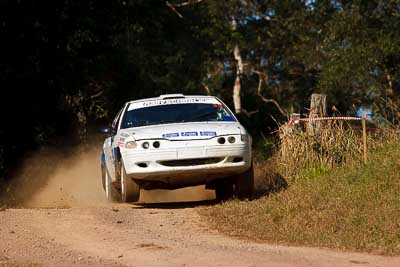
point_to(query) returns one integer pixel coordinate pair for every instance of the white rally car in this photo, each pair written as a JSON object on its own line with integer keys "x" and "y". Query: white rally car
{"x": 175, "y": 141}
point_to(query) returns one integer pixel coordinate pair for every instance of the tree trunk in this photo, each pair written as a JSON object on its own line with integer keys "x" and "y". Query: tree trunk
{"x": 239, "y": 70}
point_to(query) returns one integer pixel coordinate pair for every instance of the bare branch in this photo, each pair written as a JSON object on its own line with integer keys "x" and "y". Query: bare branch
{"x": 206, "y": 88}
{"x": 270, "y": 100}
{"x": 188, "y": 3}
{"x": 174, "y": 9}
{"x": 249, "y": 113}
{"x": 99, "y": 93}
{"x": 262, "y": 77}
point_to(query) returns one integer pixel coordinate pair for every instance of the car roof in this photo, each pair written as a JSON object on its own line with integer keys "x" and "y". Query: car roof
{"x": 169, "y": 96}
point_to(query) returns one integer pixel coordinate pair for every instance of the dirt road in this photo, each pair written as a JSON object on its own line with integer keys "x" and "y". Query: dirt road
{"x": 89, "y": 232}
{"x": 160, "y": 235}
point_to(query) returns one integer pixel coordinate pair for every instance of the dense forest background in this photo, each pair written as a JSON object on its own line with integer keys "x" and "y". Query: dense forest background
{"x": 67, "y": 66}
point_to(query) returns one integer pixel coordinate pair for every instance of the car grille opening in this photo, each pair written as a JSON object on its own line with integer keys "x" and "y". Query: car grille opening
{"x": 142, "y": 165}
{"x": 190, "y": 162}
{"x": 237, "y": 159}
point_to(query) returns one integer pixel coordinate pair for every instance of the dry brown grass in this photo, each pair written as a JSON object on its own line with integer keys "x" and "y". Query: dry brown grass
{"x": 351, "y": 208}
{"x": 334, "y": 143}
{"x": 332, "y": 198}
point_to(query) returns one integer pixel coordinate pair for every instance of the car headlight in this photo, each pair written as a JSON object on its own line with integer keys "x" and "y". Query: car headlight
{"x": 245, "y": 138}
{"x": 131, "y": 144}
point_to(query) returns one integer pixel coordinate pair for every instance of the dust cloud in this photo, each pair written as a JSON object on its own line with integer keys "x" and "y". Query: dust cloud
{"x": 54, "y": 179}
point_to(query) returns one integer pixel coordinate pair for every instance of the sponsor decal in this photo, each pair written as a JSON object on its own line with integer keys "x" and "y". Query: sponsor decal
{"x": 189, "y": 134}
{"x": 161, "y": 102}
{"x": 208, "y": 133}
{"x": 121, "y": 144}
{"x": 169, "y": 135}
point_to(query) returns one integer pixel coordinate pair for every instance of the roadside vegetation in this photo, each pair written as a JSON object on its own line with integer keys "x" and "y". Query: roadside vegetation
{"x": 332, "y": 200}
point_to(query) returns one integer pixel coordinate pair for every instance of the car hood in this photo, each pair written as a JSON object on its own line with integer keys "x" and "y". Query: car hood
{"x": 185, "y": 131}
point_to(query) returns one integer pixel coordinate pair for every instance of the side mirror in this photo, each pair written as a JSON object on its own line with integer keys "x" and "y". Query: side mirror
{"x": 107, "y": 131}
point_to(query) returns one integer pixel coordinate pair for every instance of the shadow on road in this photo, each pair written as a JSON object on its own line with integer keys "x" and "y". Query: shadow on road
{"x": 266, "y": 184}
{"x": 175, "y": 205}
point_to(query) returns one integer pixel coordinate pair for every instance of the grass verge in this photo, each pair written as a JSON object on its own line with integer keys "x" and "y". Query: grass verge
{"x": 352, "y": 208}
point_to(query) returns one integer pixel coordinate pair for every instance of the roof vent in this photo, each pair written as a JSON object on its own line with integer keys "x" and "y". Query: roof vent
{"x": 170, "y": 96}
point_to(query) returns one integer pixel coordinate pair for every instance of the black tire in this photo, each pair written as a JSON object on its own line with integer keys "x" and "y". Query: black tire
{"x": 244, "y": 184}
{"x": 111, "y": 192}
{"x": 130, "y": 191}
{"x": 103, "y": 176}
{"x": 224, "y": 190}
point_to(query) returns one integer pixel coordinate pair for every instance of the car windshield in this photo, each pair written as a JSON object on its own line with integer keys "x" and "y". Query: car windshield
{"x": 175, "y": 113}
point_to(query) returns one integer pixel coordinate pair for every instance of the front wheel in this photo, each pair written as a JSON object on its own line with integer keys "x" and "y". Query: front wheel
{"x": 224, "y": 190}
{"x": 130, "y": 191}
{"x": 111, "y": 192}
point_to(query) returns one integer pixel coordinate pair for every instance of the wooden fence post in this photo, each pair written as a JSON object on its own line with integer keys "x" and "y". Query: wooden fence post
{"x": 364, "y": 136}
{"x": 318, "y": 108}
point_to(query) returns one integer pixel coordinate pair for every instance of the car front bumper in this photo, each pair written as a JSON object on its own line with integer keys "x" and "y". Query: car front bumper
{"x": 187, "y": 165}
